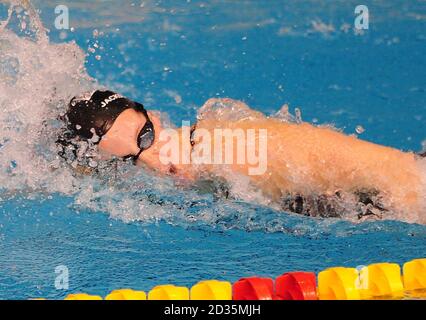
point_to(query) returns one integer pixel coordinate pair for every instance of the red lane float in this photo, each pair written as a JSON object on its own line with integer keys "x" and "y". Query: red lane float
{"x": 296, "y": 286}
{"x": 253, "y": 288}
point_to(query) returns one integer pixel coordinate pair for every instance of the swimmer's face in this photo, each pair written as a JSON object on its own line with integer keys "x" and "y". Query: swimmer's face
{"x": 121, "y": 138}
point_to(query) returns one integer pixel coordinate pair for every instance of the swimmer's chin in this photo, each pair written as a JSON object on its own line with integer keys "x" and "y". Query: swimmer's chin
{"x": 177, "y": 171}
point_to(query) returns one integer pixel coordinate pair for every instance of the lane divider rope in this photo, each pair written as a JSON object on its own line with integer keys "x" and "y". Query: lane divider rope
{"x": 375, "y": 281}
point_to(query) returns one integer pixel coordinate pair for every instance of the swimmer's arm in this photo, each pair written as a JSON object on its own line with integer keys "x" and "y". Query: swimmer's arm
{"x": 332, "y": 159}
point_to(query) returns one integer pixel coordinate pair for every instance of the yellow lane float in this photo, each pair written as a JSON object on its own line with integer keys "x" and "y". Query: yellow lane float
{"x": 211, "y": 290}
{"x": 168, "y": 292}
{"x": 338, "y": 283}
{"x": 415, "y": 274}
{"x": 381, "y": 280}
{"x": 82, "y": 296}
{"x": 126, "y": 294}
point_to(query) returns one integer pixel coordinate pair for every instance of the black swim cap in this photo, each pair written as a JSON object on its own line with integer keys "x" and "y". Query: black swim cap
{"x": 95, "y": 114}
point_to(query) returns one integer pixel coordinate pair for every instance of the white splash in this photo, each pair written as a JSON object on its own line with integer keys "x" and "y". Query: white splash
{"x": 36, "y": 81}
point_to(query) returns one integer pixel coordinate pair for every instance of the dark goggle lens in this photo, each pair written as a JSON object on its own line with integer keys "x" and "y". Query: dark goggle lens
{"x": 145, "y": 140}
{"x": 146, "y": 137}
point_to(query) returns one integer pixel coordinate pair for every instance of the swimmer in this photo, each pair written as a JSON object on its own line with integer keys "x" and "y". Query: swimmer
{"x": 310, "y": 170}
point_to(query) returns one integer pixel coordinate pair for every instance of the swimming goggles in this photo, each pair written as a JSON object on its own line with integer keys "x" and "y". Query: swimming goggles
{"x": 146, "y": 136}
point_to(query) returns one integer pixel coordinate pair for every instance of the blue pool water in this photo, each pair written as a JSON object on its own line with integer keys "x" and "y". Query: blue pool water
{"x": 173, "y": 56}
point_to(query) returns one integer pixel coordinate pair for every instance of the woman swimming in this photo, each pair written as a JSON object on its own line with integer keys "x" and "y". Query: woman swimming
{"x": 309, "y": 170}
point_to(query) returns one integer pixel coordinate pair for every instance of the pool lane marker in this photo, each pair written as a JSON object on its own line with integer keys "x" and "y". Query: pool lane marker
{"x": 254, "y": 288}
{"x": 338, "y": 283}
{"x": 376, "y": 281}
{"x": 126, "y": 294}
{"x": 211, "y": 290}
{"x": 82, "y": 296}
{"x": 415, "y": 275}
{"x": 381, "y": 280}
{"x": 296, "y": 286}
{"x": 169, "y": 292}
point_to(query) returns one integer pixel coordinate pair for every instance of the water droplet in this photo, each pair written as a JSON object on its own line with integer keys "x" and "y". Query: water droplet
{"x": 98, "y": 57}
{"x": 92, "y": 163}
{"x": 359, "y": 129}
{"x": 298, "y": 115}
{"x": 95, "y": 138}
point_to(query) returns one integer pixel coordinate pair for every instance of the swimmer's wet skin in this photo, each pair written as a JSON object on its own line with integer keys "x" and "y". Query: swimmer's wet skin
{"x": 315, "y": 171}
